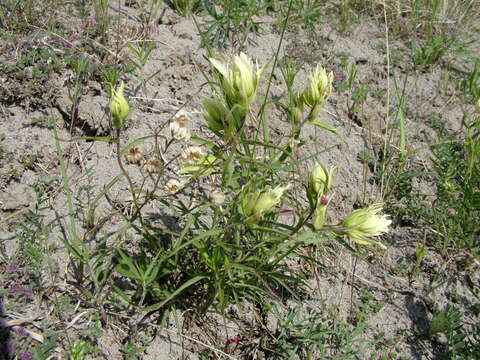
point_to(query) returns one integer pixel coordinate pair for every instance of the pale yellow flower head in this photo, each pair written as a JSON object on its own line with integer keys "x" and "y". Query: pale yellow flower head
{"x": 239, "y": 79}
{"x": 256, "y": 204}
{"x": 363, "y": 224}
{"x": 119, "y": 108}
{"x": 269, "y": 199}
{"x": 320, "y": 181}
{"x": 319, "y": 87}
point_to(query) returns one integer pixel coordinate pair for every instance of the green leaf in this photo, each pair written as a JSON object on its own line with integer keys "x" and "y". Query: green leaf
{"x": 227, "y": 172}
{"x": 152, "y": 272}
{"x": 176, "y": 292}
{"x": 134, "y": 143}
{"x": 100, "y": 195}
{"x": 403, "y": 131}
{"x": 153, "y": 269}
{"x": 322, "y": 125}
{"x": 128, "y": 267}
{"x": 210, "y": 233}
{"x": 203, "y": 168}
{"x": 124, "y": 295}
{"x": 73, "y": 249}
{"x": 95, "y": 138}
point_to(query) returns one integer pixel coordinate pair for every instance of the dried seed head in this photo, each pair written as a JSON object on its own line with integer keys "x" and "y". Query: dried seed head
{"x": 134, "y": 155}
{"x": 179, "y": 127}
{"x": 172, "y": 186}
{"x": 183, "y": 120}
{"x": 153, "y": 166}
{"x": 217, "y": 197}
{"x": 192, "y": 155}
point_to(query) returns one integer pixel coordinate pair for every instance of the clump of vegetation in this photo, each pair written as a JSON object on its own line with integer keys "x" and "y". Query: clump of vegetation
{"x": 234, "y": 242}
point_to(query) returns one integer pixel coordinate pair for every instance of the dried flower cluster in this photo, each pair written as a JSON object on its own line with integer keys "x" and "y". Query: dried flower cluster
{"x": 216, "y": 197}
{"x": 134, "y": 155}
{"x": 153, "y": 166}
{"x": 192, "y": 155}
{"x": 179, "y": 127}
{"x": 172, "y": 186}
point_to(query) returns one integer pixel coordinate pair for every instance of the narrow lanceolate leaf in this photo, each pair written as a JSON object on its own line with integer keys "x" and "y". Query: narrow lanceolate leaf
{"x": 93, "y": 206}
{"x": 176, "y": 292}
{"x": 95, "y": 138}
{"x": 322, "y": 125}
{"x": 403, "y": 137}
{"x": 227, "y": 172}
{"x": 134, "y": 143}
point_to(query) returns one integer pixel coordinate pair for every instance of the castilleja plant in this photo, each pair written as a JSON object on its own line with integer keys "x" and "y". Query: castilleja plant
{"x": 228, "y": 191}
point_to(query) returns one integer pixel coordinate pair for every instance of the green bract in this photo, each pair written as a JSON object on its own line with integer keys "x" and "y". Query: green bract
{"x": 318, "y": 88}
{"x": 320, "y": 181}
{"x": 320, "y": 216}
{"x": 215, "y": 114}
{"x": 119, "y": 108}
{"x": 255, "y": 205}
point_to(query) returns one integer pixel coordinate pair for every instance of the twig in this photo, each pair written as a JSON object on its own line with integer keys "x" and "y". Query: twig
{"x": 180, "y": 334}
